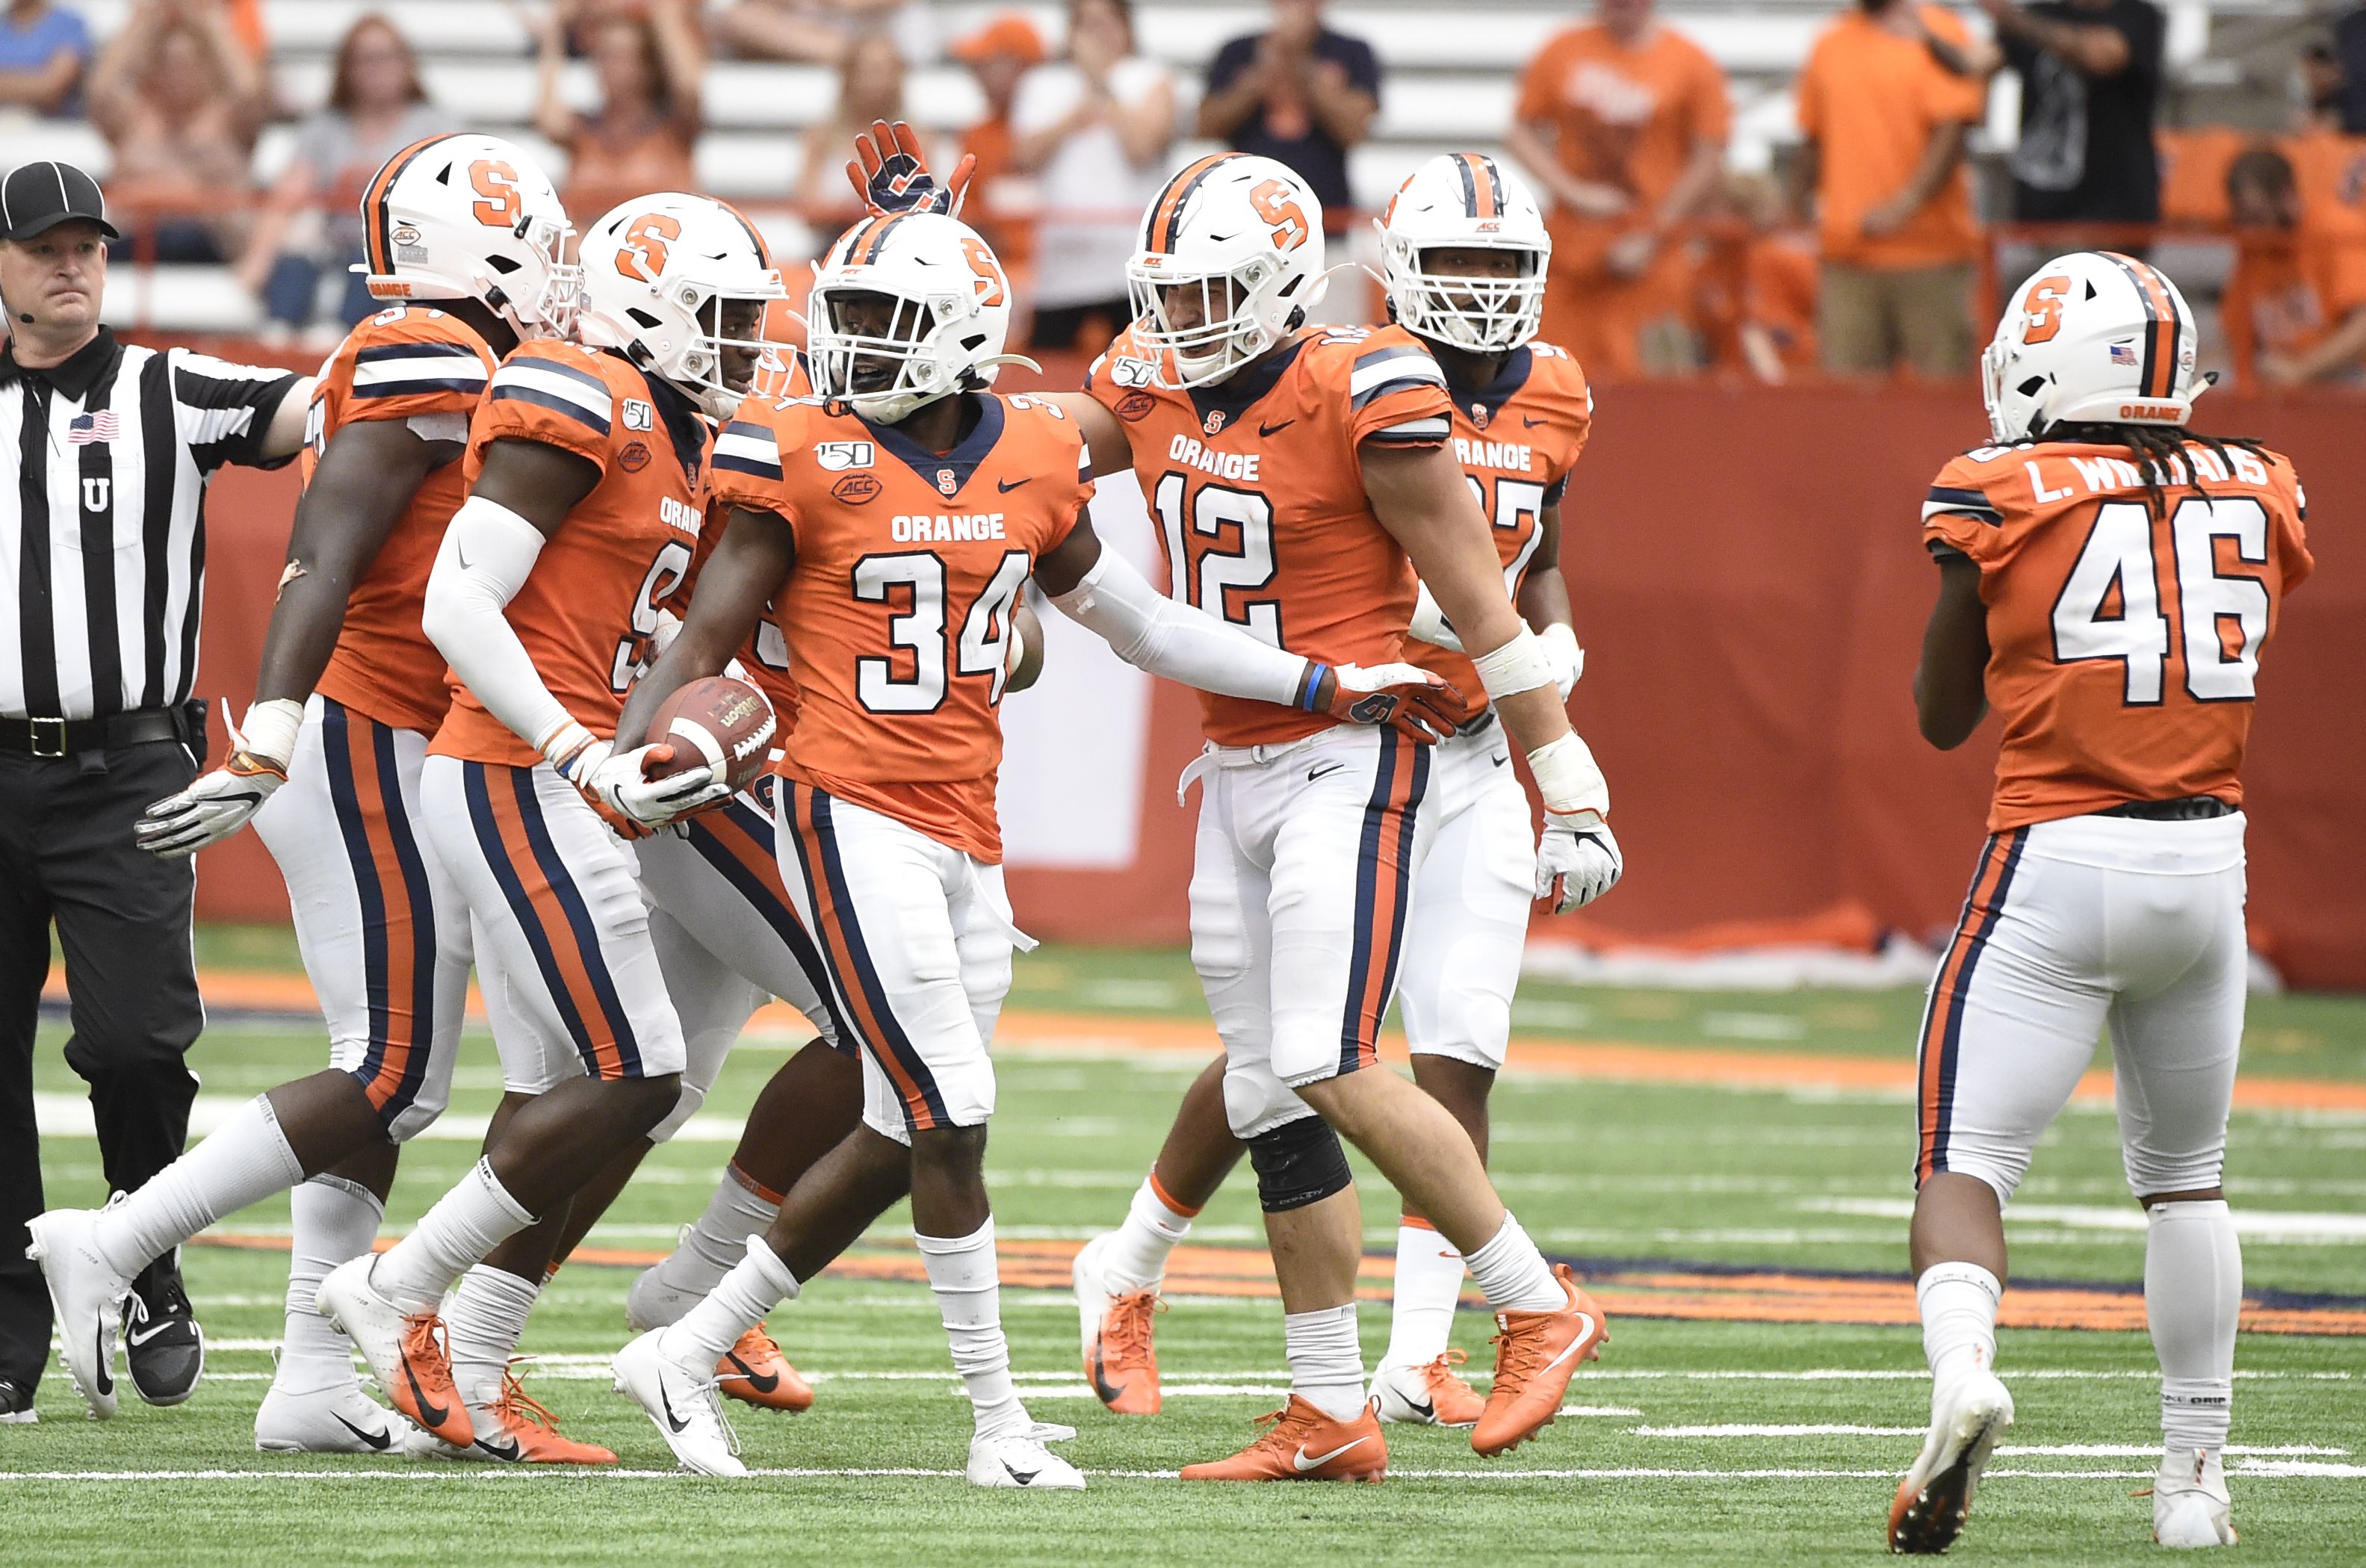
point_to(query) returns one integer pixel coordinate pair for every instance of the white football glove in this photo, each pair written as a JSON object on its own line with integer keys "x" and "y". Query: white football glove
{"x": 1577, "y": 861}
{"x": 1567, "y": 659}
{"x": 1404, "y": 696}
{"x": 615, "y": 784}
{"x": 218, "y": 803}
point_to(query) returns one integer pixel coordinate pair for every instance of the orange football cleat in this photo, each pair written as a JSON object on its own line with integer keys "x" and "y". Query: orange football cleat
{"x": 1438, "y": 1388}
{"x": 1123, "y": 1364}
{"x": 1535, "y": 1355}
{"x": 1303, "y": 1444}
{"x": 425, "y": 1392}
{"x": 756, "y": 1372}
{"x": 533, "y": 1432}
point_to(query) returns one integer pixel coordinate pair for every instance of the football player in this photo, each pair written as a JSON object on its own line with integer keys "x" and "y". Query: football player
{"x": 464, "y": 236}
{"x": 585, "y": 463}
{"x": 890, "y": 523}
{"x": 1464, "y": 253}
{"x": 2107, "y": 580}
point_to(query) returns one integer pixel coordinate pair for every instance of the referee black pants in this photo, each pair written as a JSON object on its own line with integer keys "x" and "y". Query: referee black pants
{"x": 123, "y": 919}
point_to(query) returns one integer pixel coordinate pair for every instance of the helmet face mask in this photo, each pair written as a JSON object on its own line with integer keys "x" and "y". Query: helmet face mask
{"x": 1451, "y": 209}
{"x": 1228, "y": 261}
{"x": 471, "y": 217}
{"x": 905, "y": 312}
{"x": 2093, "y": 337}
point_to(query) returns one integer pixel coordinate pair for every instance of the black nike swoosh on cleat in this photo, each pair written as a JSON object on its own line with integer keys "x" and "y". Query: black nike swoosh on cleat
{"x": 673, "y": 1422}
{"x": 1007, "y": 485}
{"x": 379, "y": 1440}
{"x": 433, "y": 1415}
{"x": 763, "y": 1382}
{"x": 1267, "y": 431}
{"x": 106, "y": 1377}
{"x": 1429, "y": 1412}
{"x": 1109, "y": 1393}
{"x": 509, "y": 1455}
{"x": 1024, "y": 1477}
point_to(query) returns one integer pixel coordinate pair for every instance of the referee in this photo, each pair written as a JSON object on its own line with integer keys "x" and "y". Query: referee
{"x": 105, "y": 453}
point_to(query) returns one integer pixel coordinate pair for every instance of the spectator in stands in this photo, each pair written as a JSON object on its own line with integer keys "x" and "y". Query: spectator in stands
{"x": 1885, "y": 123}
{"x": 998, "y": 55}
{"x": 1095, "y": 128}
{"x": 642, "y": 136}
{"x": 2090, "y": 86}
{"x": 1761, "y": 306}
{"x": 44, "y": 50}
{"x": 1298, "y": 93}
{"x": 179, "y": 100}
{"x": 311, "y": 222}
{"x": 2294, "y": 311}
{"x": 1624, "y": 122}
{"x": 869, "y": 88}
{"x": 2349, "y": 49}
{"x": 824, "y": 30}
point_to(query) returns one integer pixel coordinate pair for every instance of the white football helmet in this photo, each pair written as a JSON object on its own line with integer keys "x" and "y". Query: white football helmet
{"x": 945, "y": 334}
{"x": 1243, "y": 235}
{"x": 658, "y": 273}
{"x": 2093, "y": 337}
{"x": 1464, "y": 200}
{"x": 470, "y": 217}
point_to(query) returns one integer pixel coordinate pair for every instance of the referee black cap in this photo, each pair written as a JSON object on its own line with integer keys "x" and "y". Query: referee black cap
{"x": 37, "y": 198}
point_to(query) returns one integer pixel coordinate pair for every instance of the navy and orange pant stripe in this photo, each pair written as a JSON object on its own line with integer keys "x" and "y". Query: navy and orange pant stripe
{"x": 515, "y": 837}
{"x": 863, "y": 1008}
{"x": 741, "y": 843}
{"x": 398, "y": 909}
{"x": 1942, "y": 1019}
{"x": 1384, "y": 892}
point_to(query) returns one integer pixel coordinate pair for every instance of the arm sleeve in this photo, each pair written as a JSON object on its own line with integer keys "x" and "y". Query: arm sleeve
{"x": 225, "y": 408}
{"x": 487, "y": 555}
{"x": 1153, "y": 632}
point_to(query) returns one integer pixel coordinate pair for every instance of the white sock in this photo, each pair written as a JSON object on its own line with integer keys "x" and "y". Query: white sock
{"x": 484, "y": 1319}
{"x": 1512, "y": 1275}
{"x": 2193, "y": 1293}
{"x": 719, "y": 1239}
{"x": 466, "y": 1224}
{"x": 753, "y": 1287}
{"x": 335, "y": 1220}
{"x": 1135, "y": 1257}
{"x": 1428, "y": 1283}
{"x": 1959, "y": 1302}
{"x": 246, "y": 1160}
{"x": 963, "y": 1273}
{"x": 1326, "y": 1359}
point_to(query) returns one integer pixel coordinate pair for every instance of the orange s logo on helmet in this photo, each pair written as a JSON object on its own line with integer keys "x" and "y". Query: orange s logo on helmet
{"x": 643, "y": 253}
{"x": 1272, "y": 202}
{"x": 2044, "y": 309}
{"x": 498, "y": 183}
{"x": 989, "y": 284}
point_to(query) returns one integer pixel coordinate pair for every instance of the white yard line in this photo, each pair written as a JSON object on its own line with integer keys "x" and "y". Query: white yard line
{"x": 534, "y": 1475}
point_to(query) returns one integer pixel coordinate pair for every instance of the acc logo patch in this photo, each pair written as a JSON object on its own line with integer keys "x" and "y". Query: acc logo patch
{"x": 407, "y": 247}
{"x": 634, "y": 458}
{"x": 948, "y": 480}
{"x": 638, "y": 415}
{"x": 1128, "y": 371}
{"x": 1134, "y": 405}
{"x": 855, "y": 489}
{"x": 837, "y": 456}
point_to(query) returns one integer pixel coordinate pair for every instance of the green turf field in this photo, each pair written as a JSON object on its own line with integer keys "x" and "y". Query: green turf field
{"x": 1694, "y": 1440}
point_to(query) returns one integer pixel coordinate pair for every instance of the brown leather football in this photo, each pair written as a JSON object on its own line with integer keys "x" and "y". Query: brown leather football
{"x": 716, "y": 719}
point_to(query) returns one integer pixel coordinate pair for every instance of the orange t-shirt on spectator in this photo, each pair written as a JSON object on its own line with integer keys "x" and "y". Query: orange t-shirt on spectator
{"x": 607, "y": 165}
{"x": 2193, "y": 164}
{"x": 1013, "y": 239}
{"x": 2288, "y": 292}
{"x": 1625, "y": 116}
{"x": 1779, "y": 288}
{"x": 2329, "y": 170}
{"x": 1870, "y": 99}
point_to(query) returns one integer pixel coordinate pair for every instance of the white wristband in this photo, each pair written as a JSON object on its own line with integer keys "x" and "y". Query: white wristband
{"x": 1520, "y": 665}
{"x": 269, "y": 729}
{"x": 1568, "y": 780}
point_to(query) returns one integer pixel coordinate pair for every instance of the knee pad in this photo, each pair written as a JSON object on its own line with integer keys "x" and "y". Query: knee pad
{"x": 1298, "y": 1163}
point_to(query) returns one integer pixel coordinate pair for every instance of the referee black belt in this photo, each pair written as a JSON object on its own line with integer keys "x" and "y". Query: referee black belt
{"x": 2185, "y": 809}
{"x": 72, "y": 736}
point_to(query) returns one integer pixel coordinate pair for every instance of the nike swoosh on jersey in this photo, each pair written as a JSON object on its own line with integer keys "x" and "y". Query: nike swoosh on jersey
{"x": 1267, "y": 431}
{"x": 1007, "y": 485}
{"x": 1304, "y": 1464}
{"x": 379, "y": 1440}
{"x": 1531, "y": 423}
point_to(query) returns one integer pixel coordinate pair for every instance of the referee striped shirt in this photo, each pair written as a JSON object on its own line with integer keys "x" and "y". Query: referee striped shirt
{"x": 102, "y": 521}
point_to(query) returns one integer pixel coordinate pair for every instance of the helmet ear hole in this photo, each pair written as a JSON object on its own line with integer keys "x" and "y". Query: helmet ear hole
{"x": 2031, "y": 386}
{"x": 502, "y": 263}
{"x": 643, "y": 320}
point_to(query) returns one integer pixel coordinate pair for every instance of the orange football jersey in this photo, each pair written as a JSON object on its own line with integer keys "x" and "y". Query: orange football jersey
{"x": 1517, "y": 441}
{"x": 766, "y": 659}
{"x": 2124, "y": 646}
{"x": 410, "y": 362}
{"x": 897, "y": 619}
{"x": 589, "y": 606}
{"x": 1273, "y": 532}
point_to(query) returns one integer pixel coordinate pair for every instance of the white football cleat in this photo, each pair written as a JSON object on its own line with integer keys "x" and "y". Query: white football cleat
{"x": 1967, "y": 1417}
{"x": 86, "y": 1293}
{"x": 683, "y": 1404}
{"x": 336, "y": 1420}
{"x": 405, "y": 1350}
{"x": 1020, "y": 1459}
{"x": 2190, "y": 1505}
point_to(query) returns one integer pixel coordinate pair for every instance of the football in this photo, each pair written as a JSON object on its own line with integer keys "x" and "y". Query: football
{"x": 720, "y": 720}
